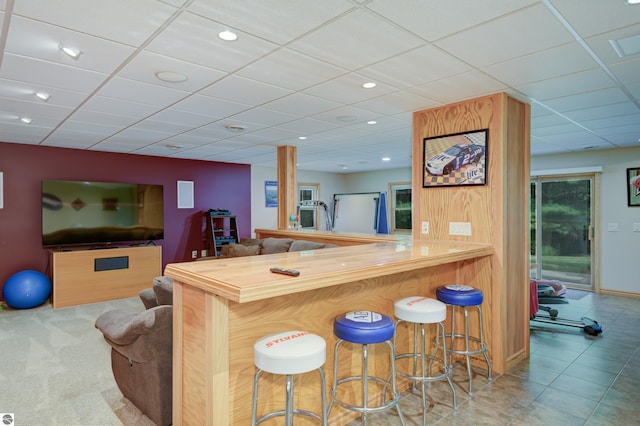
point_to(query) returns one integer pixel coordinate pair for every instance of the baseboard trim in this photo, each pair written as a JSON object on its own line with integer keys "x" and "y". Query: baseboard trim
{"x": 619, "y": 293}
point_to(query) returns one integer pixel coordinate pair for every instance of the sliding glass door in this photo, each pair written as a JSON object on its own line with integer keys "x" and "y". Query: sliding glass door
{"x": 561, "y": 230}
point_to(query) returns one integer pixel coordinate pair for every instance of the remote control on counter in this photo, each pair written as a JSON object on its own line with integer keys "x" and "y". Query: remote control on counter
{"x": 285, "y": 271}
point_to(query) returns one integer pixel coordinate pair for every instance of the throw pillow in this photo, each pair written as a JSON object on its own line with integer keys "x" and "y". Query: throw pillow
{"x": 276, "y": 245}
{"x": 238, "y": 250}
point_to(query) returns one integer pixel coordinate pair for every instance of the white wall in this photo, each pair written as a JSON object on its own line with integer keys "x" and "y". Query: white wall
{"x": 619, "y": 250}
{"x": 330, "y": 183}
{"x": 267, "y": 217}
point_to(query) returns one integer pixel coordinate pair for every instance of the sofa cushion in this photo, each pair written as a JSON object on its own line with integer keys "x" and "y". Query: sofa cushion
{"x": 238, "y": 250}
{"x": 251, "y": 242}
{"x": 302, "y": 245}
{"x": 275, "y": 245}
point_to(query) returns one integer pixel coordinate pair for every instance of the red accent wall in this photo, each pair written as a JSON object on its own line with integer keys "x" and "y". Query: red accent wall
{"x": 216, "y": 185}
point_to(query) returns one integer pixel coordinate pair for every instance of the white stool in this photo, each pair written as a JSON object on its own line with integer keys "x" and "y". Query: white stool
{"x": 422, "y": 311}
{"x": 289, "y": 353}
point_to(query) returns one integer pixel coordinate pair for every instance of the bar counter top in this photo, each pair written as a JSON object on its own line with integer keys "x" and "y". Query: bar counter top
{"x": 248, "y": 279}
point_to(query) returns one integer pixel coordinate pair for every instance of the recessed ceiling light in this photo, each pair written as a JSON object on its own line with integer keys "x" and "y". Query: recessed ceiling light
{"x": 347, "y": 118}
{"x": 302, "y": 138}
{"x": 236, "y": 128}
{"x": 171, "y": 77}
{"x": 228, "y": 35}
{"x": 26, "y": 120}
{"x": 71, "y": 51}
{"x": 626, "y": 46}
{"x": 44, "y": 96}
{"x": 371, "y": 122}
{"x": 369, "y": 85}
{"x": 633, "y": 1}
{"x": 386, "y": 159}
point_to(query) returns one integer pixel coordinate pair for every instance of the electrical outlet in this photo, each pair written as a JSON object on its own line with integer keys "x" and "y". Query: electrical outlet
{"x": 194, "y": 254}
{"x": 425, "y": 227}
{"x": 636, "y": 227}
{"x": 203, "y": 253}
{"x": 460, "y": 228}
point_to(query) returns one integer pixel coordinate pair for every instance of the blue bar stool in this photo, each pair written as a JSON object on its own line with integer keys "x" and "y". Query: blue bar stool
{"x": 289, "y": 353}
{"x": 365, "y": 328}
{"x": 464, "y": 297}
{"x": 422, "y": 311}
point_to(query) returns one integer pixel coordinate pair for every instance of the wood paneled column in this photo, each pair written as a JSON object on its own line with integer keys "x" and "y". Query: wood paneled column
{"x": 287, "y": 185}
{"x": 498, "y": 211}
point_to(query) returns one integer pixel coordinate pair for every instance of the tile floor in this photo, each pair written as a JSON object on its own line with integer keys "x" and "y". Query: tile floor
{"x": 571, "y": 378}
{"x": 55, "y": 370}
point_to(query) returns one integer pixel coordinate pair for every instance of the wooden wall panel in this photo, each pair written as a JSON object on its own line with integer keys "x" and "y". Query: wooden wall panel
{"x": 497, "y": 211}
{"x": 287, "y": 185}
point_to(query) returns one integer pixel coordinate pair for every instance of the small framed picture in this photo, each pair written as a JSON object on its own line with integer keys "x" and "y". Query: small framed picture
{"x": 633, "y": 187}
{"x": 271, "y": 193}
{"x": 458, "y": 159}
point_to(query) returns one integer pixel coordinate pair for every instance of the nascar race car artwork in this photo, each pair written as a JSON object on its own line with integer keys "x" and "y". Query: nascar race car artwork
{"x": 453, "y": 158}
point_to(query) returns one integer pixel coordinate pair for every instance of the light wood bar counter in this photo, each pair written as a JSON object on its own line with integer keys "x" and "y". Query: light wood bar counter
{"x": 222, "y": 306}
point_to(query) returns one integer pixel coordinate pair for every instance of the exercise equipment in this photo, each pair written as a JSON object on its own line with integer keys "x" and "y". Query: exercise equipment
{"x": 26, "y": 289}
{"x": 588, "y": 325}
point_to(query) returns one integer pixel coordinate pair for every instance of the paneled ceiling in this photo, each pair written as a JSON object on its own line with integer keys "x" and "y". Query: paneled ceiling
{"x": 297, "y": 69}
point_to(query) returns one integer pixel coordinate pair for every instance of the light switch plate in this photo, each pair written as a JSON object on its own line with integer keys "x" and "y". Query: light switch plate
{"x": 636, "y": 227}
{"x": 612, "y": 227}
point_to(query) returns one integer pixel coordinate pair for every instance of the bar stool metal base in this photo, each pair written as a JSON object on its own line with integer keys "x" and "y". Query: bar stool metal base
{"x": 361, "y": 329}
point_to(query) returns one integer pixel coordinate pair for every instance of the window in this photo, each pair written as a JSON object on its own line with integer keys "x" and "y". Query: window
{"x": 400, "y": 207}
{"x": 308, "y": 215}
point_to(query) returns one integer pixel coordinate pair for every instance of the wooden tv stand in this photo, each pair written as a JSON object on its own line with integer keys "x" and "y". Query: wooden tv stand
{"x": 89, "y": 276}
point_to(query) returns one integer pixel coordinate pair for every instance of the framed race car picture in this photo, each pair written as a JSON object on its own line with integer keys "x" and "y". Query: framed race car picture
{"x": 458, "y": 159}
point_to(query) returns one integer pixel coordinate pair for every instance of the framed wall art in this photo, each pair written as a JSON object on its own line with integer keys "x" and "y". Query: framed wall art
{"x": 457, "y": 159}
{"x": 633, "y": 187}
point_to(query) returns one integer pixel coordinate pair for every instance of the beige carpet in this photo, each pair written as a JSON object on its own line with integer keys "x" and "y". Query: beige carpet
{"x": 55, "y": 367}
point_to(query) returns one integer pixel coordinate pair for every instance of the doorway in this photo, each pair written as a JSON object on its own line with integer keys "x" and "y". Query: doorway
{"x": 562, "y": 232}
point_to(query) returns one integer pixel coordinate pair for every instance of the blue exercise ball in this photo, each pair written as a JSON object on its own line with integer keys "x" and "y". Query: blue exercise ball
{"x": 26, "y": 289}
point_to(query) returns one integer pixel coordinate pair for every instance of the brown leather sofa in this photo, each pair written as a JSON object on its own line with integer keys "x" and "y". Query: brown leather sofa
{"x": 141, "y": 350}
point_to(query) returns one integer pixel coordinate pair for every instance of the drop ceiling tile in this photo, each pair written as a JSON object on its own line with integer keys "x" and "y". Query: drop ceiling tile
{"x": 75, "y": 140}
{"x": 29, "y": 70}
{"x": 459, "y": 87}
{"x": 291, "y": 70}
{"x": 396, "y": 103}
{"x": 21, "y": 133}
{"x": 619, "y": 130}
{"x": 161, "y": 126}
{"x": 601, "y": 45}
{"x": 33, "y": 109}
{"x": 109, "y": 105}
{"x": 597, "y": 17}
{"x": 136, "y": 91}
{"x": 555, "y": 62}
{"x": 188, "y": 140}
{"x": 123, "y": 21}
{"x": 195, "y": 39}
{"x": 344, "y": 115}
{"x": 490, "y": 43}
{"x": 215, "y": 108}
{"x": 81, "y": 127}
{"x": 566, "y": 127}
{"x": 138, "y": 136}
{"x": 624, "y": 140}
{"x": 301, "y": 104}
{"x": 433, "y": 19}
{"x": 307, "y": 126}
{"x": 567, "y": 85}
{"x": 627, "y": 72}
{"x": 347, "y": 89}
{"x": 145, "y": 65}
{"x": 87, "y": 116}
{"x": 26, "y": 92}
{"x": 171, "y": 115}
{"x": 41, "y": 41}
{"x": 587, "y": 100}
{"x": 244, "y": 90}
{"x": 261, "y": 17}
{"x": 377, "y": 40}
{"x": 605, "y": 111}
{"x": 621, "y": 120}
{"x": 418, "y": 66}
{"x": 265, "y": 117}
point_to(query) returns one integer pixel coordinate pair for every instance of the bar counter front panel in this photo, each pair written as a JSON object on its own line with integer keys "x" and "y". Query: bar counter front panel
{"x": 222, "y": 306}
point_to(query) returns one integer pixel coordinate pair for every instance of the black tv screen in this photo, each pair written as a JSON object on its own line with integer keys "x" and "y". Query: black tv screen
{"x": 85, "y": 213}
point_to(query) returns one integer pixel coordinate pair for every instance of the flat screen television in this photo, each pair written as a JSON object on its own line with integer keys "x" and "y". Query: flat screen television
{"x": 87, "y": 213}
